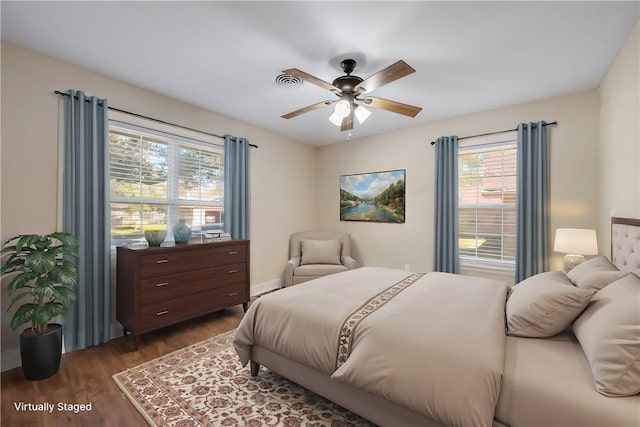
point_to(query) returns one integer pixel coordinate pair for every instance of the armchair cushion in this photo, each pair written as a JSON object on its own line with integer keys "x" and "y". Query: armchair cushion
{"x": 320, "y": 252}
{"x": 318, "y": 270}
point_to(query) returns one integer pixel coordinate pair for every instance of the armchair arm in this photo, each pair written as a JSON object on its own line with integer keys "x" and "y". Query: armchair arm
{"x": 291, "y": 265}
{"x": 349, "y": 262}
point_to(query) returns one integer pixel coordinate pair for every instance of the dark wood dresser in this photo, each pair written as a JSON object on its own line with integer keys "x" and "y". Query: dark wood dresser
{"x": 160, "y": 286}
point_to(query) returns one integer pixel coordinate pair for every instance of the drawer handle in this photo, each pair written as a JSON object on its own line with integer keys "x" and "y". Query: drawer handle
{"x": 158, "y": 285}
{"x": 233, "y": 271}
{"x": 232, "y": 253}
{"x": 162, "y": 261}
{"x": 233, "y": 294}
{"x": 162, "y": 313}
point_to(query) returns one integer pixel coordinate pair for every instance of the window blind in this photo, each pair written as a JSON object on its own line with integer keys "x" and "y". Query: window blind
{"x": 156, "y": 179}
{"x": 487, "y": 202}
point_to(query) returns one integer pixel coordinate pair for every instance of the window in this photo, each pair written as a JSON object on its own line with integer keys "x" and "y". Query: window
{"x": 156, "y": 178}
{"x": 487, "y": 203}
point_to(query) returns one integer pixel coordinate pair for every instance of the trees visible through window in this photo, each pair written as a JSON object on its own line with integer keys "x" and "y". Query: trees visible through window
{"x": 487, "y": 203}
{"x": 157, "y": 178}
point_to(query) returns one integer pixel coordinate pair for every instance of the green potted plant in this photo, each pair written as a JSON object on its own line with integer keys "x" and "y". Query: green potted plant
{"x": 42, "y": 287}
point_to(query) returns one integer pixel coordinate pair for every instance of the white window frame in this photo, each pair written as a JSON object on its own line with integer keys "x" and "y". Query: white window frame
{"x": 176, "y": 136}
{"x": 502, "y": 139}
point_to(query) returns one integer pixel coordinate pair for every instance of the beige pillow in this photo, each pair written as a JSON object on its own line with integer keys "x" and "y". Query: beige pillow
{"x": 609, "y": 333}
{"x": 320, "y": 252}
{"x": 595, "y": 273}
{"x": 544, "y": 305}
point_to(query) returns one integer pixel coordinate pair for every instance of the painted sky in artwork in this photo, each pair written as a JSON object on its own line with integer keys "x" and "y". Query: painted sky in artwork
{"x": 369, "y": 185}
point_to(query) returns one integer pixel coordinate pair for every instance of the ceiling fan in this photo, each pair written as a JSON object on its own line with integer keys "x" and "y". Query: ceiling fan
{"x": 351, "y": 91}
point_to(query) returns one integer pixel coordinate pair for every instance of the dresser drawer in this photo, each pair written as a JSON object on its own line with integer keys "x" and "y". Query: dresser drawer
{"x": 179, "y": 285}
{"x": 165, "y": 313}
{"x": 178, "y": 261}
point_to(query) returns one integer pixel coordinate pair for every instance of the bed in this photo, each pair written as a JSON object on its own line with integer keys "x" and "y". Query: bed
{"x": 436, "y": 349}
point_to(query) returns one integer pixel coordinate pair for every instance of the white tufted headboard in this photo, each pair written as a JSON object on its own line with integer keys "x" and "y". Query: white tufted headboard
{"x": 625, "y": 244}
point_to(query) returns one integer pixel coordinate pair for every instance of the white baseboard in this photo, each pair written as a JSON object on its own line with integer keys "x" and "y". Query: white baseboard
{"x": 116, "y": 330}
{"x": 11, "y": 359}
{"x": 261, "y": 288}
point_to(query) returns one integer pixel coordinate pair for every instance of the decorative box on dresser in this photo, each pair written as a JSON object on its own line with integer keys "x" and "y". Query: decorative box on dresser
{"x": 161, "y": 286}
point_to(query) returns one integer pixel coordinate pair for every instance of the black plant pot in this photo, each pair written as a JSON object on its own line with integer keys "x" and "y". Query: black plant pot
{"x": 41, "y": 353}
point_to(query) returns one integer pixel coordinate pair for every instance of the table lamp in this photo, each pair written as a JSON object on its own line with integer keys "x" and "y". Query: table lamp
{"x": 575, "y": 243}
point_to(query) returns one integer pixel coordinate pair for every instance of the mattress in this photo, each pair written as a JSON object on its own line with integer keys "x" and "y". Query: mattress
{"x": 548, "y": 382}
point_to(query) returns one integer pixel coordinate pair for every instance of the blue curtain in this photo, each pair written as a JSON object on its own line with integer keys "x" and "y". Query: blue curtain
{"x": 236, "y": 187}
{"x": 86, "y": 215}
{"x": 532, "y": 205}
{"x": 446, "y": 258}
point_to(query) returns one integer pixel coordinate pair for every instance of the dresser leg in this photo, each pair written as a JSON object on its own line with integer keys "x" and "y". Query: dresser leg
{"x": 135, "y": 339}
{"x": 245, "y": 306}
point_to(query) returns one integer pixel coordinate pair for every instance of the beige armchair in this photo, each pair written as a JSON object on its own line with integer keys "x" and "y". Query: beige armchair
{"x": 315, "y": 254}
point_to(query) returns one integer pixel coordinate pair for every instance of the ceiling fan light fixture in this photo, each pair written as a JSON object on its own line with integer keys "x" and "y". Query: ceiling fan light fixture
{"x": 335, "y": 119}
{"x": 343, "y": 108}
{"x": 361, "y": 114}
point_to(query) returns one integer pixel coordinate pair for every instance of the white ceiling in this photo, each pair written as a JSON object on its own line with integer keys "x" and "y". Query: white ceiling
{"x": 224, "y": 56}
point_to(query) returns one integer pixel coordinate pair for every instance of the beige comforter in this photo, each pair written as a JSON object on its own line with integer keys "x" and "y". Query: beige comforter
{"x": 433, "y": 343}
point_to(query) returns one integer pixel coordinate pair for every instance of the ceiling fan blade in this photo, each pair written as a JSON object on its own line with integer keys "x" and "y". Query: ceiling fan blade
{"x": 347, "y": 122}
{"x": 393, "y": 106}
{"x": 306, "y": 109}
{"x": 311, "y": 79}
{"x": 391, "y": 73}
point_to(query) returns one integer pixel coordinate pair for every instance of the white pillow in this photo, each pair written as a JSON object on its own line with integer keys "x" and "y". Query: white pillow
{"x": 320, "y": 252}
{"x": 544, "y": 305}
{"x": 609, "y": 333}
{"x": 595, "y": 273}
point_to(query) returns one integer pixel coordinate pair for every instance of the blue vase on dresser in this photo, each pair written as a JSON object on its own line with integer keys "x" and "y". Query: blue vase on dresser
{"x": 181, "y": 231}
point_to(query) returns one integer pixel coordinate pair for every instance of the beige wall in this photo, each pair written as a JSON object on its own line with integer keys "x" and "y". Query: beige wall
{"x": 574, "y": 175}
{"x": 29, "y": 175}
{"x": 619, "y": 149}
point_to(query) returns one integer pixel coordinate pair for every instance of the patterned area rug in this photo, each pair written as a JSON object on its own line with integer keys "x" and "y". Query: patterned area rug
{"x": 204, "y": 385}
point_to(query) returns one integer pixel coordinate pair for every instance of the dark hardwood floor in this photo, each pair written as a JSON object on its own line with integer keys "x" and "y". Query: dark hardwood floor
{"x": 85, "y": 376}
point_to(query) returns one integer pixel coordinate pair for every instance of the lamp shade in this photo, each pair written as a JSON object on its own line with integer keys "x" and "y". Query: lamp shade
{"x": 362, "y": 114}
{"x": 336, "y": 119}
{"x": 342, "y": 108}
{"x": 578, "y": 241}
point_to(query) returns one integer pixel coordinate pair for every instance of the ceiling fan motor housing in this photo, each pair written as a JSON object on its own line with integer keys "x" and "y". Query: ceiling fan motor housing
{"x": 347, "y": 83}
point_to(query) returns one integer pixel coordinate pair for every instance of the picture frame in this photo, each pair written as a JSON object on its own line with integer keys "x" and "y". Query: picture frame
{"x": 373, "y": 196}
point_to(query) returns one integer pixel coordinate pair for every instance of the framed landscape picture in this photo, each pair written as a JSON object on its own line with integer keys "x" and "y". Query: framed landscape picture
{"x": 373, "y": 197}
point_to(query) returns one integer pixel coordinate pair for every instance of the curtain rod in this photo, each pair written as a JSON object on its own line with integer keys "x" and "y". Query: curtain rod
{"x": 57, "y": 92}
{"x": 494, "y": 133}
